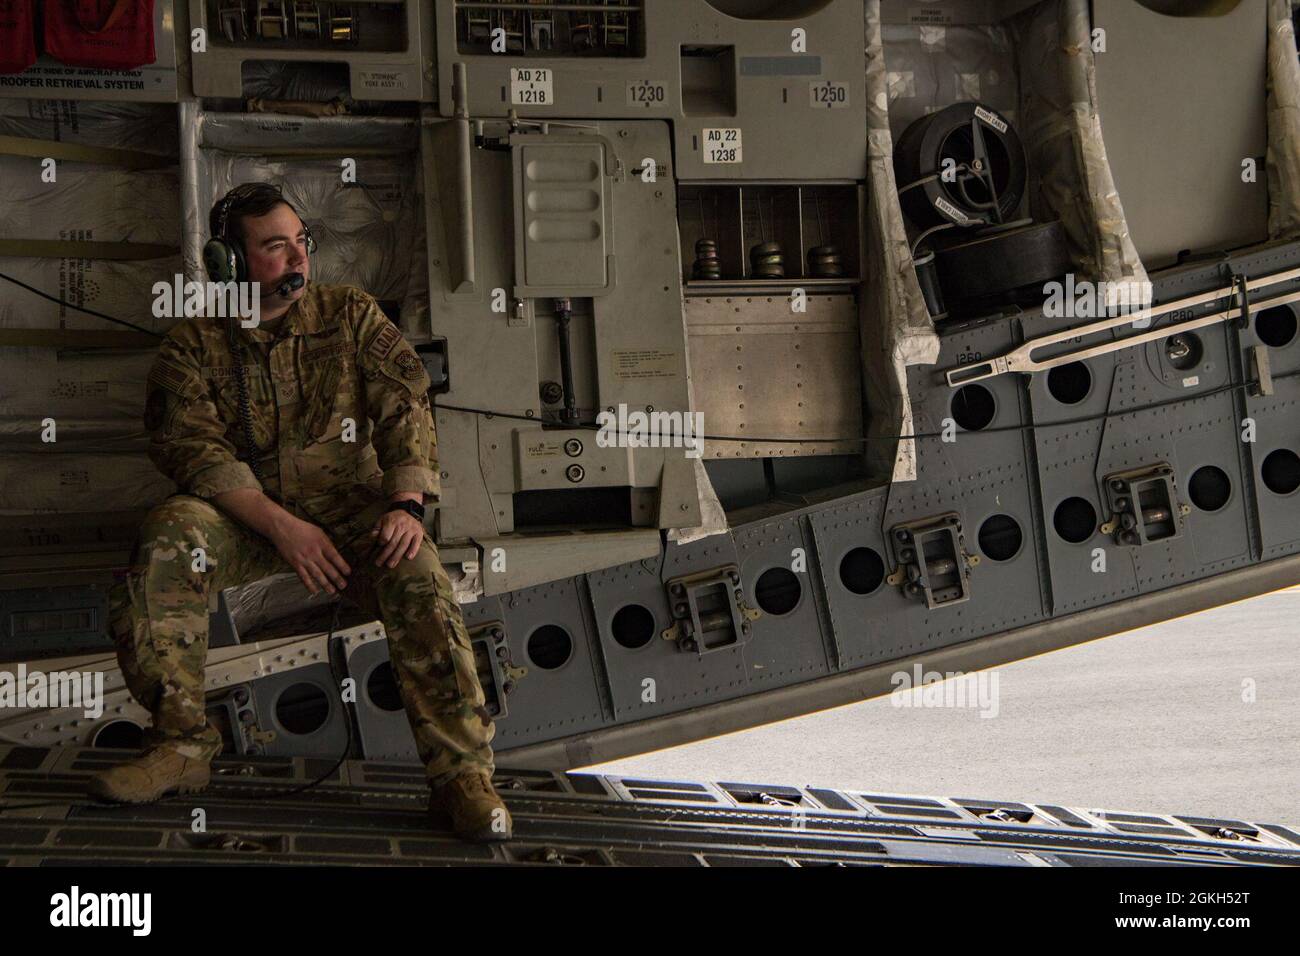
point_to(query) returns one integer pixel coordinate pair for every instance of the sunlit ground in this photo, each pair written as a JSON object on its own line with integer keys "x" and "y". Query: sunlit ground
{"x": 1160, "y": 719}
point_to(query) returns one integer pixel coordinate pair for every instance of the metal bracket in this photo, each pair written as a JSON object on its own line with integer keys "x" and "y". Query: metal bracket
{"x": 1260, "y": 371}
{"x": 1144, "y": 506}
{"x": 932, "y": 560}
{"x": 709, "y": 611}
{"x": 497, "y": 673}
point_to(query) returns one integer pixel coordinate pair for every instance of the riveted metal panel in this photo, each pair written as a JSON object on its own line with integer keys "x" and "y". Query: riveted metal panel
{"x": 551, "y": 702}
{"x": 681, "y": 678}
{"x": 788, "y": 647}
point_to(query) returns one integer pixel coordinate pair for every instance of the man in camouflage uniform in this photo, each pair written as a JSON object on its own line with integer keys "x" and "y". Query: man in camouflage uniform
{"x": 344, "y": 431}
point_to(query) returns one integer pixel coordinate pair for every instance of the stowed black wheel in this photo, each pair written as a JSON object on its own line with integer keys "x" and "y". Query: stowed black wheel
{"x": 997, "y": 261}
{"x": 985, "y": 158}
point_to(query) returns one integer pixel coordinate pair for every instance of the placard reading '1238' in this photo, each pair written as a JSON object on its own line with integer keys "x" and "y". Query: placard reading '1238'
{"x": 531, "y": 86}
{"x": 721, "y": 145}
{"x": 647, "y": 93}
{"x": 828, "y": 95}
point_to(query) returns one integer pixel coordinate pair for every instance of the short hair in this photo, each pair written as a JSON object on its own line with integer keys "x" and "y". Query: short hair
{"x": 246, "y": 199}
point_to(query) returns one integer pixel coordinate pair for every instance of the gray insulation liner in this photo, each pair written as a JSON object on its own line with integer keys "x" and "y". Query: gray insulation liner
{"x": 87, "y": 201}
{"x": 79, "y": 482}
{"x": 147, "y": 127}
{"x": 120, "y": 288}
{"x": 1283, "y": 162}
{"x": 91, "y": 394}
{"x": 369, "y": 233}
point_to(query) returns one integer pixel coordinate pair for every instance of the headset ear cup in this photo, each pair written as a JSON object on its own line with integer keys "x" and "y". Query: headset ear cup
{"x": 241, "y": 267}
{"x": 220, "y": 260}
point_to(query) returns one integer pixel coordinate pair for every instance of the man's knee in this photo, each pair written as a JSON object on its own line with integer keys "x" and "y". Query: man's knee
{"x": 413, "y": 578}
{"x": 187, "y": 539}
{"x": 178, "y": 519}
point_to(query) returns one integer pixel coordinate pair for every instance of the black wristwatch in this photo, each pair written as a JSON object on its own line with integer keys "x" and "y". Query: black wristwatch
{"x": 413, "y": 508}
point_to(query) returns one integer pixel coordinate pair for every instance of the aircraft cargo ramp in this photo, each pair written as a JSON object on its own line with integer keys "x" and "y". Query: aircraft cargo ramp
{"x": 268, "y": 810}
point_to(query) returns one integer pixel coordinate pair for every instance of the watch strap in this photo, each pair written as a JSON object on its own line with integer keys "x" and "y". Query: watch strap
{"x": 413, "y": 508}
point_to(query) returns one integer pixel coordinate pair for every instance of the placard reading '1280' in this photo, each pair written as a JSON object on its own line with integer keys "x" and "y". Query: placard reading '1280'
{"x": 531, "y": 86}
{"x": 721, "y": 145}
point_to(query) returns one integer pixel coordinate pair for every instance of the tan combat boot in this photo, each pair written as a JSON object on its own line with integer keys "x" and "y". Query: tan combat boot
{"x": 151, "y": 776}
{"x": 471, "y": 804}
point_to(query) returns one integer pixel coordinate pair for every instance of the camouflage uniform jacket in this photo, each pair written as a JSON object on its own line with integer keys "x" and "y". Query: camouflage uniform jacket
{"x": 335, "y": 369}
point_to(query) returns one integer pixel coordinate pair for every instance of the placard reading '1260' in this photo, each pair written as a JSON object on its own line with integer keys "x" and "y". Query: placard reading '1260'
{"x": 531, "y": 86}
{"x": 721, "y": 145}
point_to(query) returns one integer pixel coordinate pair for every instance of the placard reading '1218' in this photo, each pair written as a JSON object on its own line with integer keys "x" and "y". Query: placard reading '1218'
{"x": 721, "y": 145}
{"x": 531, "y": 86}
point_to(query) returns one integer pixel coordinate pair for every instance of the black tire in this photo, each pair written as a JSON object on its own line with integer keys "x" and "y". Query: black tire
{"x": 998, "y": 262}
{"x": 921, "y": 150}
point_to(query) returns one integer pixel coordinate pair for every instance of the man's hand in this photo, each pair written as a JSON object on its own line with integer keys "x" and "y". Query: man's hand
{"x": 397, "y": 535}
{"x": 310, "y": 552}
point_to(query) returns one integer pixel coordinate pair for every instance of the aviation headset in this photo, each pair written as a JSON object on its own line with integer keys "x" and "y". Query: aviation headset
{"x": 223, "y": 254}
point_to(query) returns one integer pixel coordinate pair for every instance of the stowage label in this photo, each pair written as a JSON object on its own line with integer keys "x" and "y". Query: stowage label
{"x": 644, "y": 363}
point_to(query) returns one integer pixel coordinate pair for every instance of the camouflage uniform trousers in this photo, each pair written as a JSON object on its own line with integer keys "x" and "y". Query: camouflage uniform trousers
{"x": 159, "y": 623}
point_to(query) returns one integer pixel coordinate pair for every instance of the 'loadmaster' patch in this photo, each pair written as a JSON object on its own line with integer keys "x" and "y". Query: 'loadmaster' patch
{"x": 383, "y": 343}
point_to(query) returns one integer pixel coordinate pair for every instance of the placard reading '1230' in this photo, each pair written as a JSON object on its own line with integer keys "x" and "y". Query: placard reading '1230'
{"x": 721, "y": 145}
{"x": 828, "y": 95}
{"x": 647, "y": 93}
{"x": 531, "y": 86}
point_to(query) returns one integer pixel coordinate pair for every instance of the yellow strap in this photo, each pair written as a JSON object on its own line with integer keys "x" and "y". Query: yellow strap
{"x": 76, "y": 153}
{"x": 76, "y": 338}
{"x": 77, "y": 249}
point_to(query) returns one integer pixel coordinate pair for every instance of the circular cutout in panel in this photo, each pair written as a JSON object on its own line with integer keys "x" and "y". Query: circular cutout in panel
{"x": 1209, "y": 488}
{"x": 381, "y": 688}
{"x": 1281, "y": 471}
{"x": 862, "y": 571}
{"x": 1276, "y": 327}
{"x": 1075, "y": 520}
{"x": 777, "y": 591}
{"x": 973, "y": 407}
{"x": 550, "y": 646}
{"x": 1069, "y": 383}
{"x": 1000, "y": 537}
{"x": 633, "y": 626}
{"x": 302, "y": 709}
{"x": 1184, "y": 351}
{"x": 119, "y": 735}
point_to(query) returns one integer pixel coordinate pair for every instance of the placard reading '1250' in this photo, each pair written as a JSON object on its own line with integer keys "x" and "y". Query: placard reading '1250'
{"x": 531, "y": 86}
{"x": 721, "y": 145}
{"x": 827, "y": 95}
